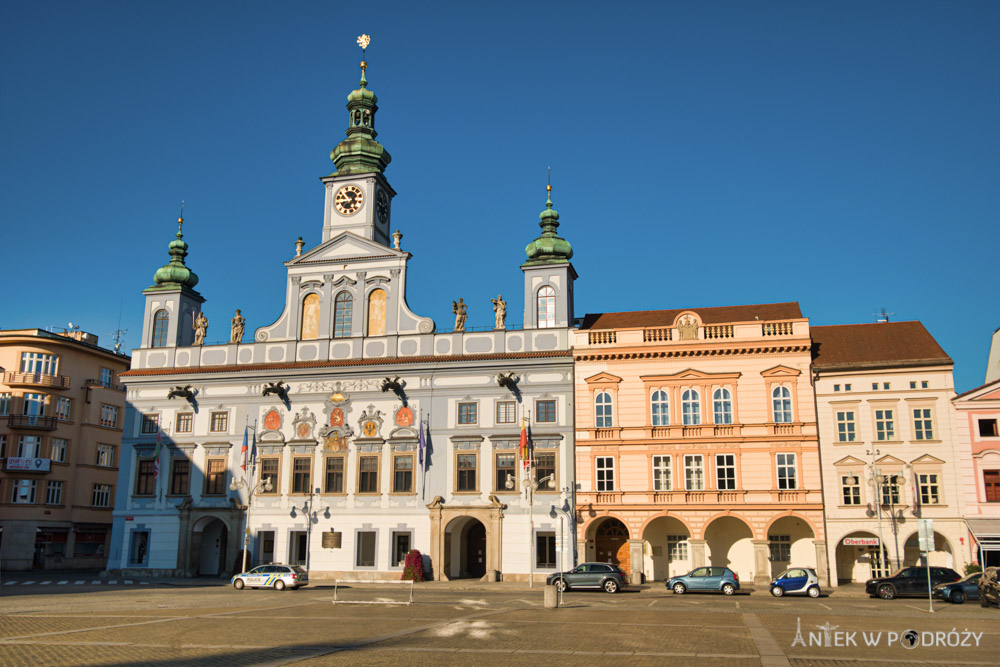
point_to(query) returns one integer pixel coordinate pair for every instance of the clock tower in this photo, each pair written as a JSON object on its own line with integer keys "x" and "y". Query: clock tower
{"x": 358, "y": 197}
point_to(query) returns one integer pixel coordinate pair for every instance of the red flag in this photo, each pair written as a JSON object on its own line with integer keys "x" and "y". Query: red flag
{"x": 243, "y": 450}
{"x": 524, "y": 444}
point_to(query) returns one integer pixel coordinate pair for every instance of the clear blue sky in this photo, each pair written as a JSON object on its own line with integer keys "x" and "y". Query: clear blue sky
{"x": 842, "y": 154}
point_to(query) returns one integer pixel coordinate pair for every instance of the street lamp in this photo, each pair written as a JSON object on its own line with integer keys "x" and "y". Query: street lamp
{"x": 878, "y": 483}
{"x": 531, "y": 485}
{"x": 555, "y": 512}
{"x": 311, "y": 517}
{"x": 262, "y": 486}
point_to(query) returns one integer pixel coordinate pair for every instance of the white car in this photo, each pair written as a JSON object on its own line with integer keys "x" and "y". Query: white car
{"x": 278, "y": 577}
{"x": 796, "y": 581}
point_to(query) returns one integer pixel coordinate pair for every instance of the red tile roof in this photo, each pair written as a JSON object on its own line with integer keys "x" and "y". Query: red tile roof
{"x": 717, "y": 315}
{"x": 874, "y": 345}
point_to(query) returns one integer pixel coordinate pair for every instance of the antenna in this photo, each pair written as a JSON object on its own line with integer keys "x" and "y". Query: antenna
{"x": 882, "y": 317}
{"x": 119, "y": 334}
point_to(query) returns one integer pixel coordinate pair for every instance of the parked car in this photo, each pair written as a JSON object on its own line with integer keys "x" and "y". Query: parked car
{"x": 278, "y": 577}
{"x": 602, "y": 576}
{"x": 796, "y": 581}
{"x": 960, "y": 591}
{"x": 706, "y": 579}
{"x": 989, "y": 587}
{"x": 909, "y": 581}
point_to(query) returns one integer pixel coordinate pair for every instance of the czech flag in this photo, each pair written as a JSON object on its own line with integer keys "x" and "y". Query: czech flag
{"x": 243, "y": 449}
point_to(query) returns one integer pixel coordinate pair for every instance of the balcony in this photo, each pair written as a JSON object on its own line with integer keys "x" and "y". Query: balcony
{"x": 607, "y": 433}
{"x": 701, "y": 431}
{"x": 25, "y": 464}
{"x": 35, "y": 422}
{"x": 97, "y": 383}
{"x": 14, "y": 379}
{"x": 603, "y": 337}
{"x": 791, "y": 496}
{"x": 785, "y": 429}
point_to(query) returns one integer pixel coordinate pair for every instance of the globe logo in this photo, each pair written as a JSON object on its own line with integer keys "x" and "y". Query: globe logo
{"x": 910, "y": 639}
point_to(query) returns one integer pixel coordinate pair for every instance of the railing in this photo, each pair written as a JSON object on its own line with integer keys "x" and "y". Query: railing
{"x": 656, "y": 335}
{"x": 661, "y": 431}
{"x": 609, "y": 497}
{"x": 692, "y": 431}
{"x": 694, "y": 496}
{"x": 776, "y": 328}
{"x": 784, "y": 429}
{"x": 791, "y": 496}
{"x": 719, "y": 331}
{"x": 38, "y": 379}
{"x": 603, "y": 337}
{"x": 607, "y": 433}
{"x": 663, "y": 497}
{"x": 97, "y": 383}
{"x": 32, "y": 421}
{"x": 723, "y": 430}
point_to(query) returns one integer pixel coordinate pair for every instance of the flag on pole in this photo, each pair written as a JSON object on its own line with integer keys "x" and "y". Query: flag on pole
{"x": 253, "y": 444}
{"x": 524, "y": 444}
{"x": 156, "y": 454}
{"x": 243, "y": 451}
{"x": 422, "y": 443}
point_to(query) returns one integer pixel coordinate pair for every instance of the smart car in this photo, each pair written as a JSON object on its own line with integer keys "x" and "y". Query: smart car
{"x": 601, "y": 576}
{"x": 718, "y": 579}
{"x": 796, "y": 581}
{"x": 278, "y": 577}
{"x": 960, "y": 591}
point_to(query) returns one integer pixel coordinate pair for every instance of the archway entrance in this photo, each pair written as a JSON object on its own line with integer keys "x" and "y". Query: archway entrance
{"x": 669, "y": 553}
{"x": 790, "y": 540}
{"x": 942, "y": 555}
{"x": 212, "y": 551}
{"x": 856, "y": 563}
{"x": 465, "y": 548}
{"x": 729, "y": 542}
{"x": 611, "y": 544}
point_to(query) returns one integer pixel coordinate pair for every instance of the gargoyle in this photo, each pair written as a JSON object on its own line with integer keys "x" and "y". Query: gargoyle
{"x": 184, "y": 392}
{"x": 508, "y": 380}
{"x": 279, "y": 389}
{"x": 392, "y": 384}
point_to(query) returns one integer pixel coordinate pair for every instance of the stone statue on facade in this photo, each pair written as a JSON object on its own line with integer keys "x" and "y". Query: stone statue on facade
{"x": 236, "y": 334}
{"x": 459, "y": 308}
{"x": 200, "y": 326}
{"x": 500, "y": 308}
{"x": 688, "y": 328}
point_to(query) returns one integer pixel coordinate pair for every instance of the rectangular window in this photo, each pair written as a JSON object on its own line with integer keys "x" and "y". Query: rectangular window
{"x": 694, "y": 472}
{"x": 787, "y": 474}
{"x": 890, "y": 490}
{"x": 662, "y": 474}
{"x": 725, "y": 472}
{"x": 64, "y": 408}
{"x": 545, "y": 550}
{"x": 139, "y": 548}
{"x": 506, "y": 468}
{"x": 5, "y": 401}
{"x": 929, "y": 489}
{"x": 780, "y": 547}
{"x": 467, "y": 413}
{"x": 53, "y": 493}
{"x": 3, "y": 445}
{"x": 991, "y": 482}
{"x": 545, "y": 467}
{"x": 836, "y": 387}
{"x": 846, "y": 431}
{"x": 885, "y": 386}
{"x": 466, "y": 472}
{"x": 106, "y": 456}
{"x": 24, "y": 492}
{"x": 107, "y": 375}
{"x": 847, "y": 387}
{"x": 185, "y": 422}
{"x": 368, "y": 475}
{"x": 924, "y": 384}
{"x": 402, "y": 474}
{"x": 885, "y": 427}
{"x": 913, "y": 385}
{"x": 506, "y": 412}
{"x": 101, "y": 496}
{"x": 29, "y": 446}
{"x": 923, "y": 426}
{"x": 109, "y": 416}
{"x": 144, "y": 482}
{"x": 366, "y": 549}
{"x": 677, "y": 547}
{"x": 58, "y": 450}
{"x": 874, "y": 386}
{"x": 400, "y": 547}
{"x": 38, "y": 363}
{"x": 988, "y": 428}
{"x": 150, "y": 423}
{"x": 545, "y": 411}
{"x": 269, "y": 468}
{"x": 180, "y": 477}
{"x": 851, "y": 487}
{"x": 215, "y": 477}
{"x": 220, "y": 422}
{"x": 605, "y": 473}
{"x": 33, "y": 405}
{"x": 301, "y": 474}
{"x": 334, "y": 474}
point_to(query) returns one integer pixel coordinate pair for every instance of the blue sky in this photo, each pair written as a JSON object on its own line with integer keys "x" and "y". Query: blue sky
{"x": 845, "y": 155}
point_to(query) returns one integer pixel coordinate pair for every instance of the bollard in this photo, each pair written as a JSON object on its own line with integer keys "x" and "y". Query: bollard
{"x": 551, "y": 597}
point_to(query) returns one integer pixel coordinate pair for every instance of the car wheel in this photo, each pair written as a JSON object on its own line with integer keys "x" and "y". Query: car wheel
{"x": 813, "y": 592}
{"x": 886, "y": 592}
{"x": 561, "y": 585}
{"x": 238, "y": 584}
{"x": 279, "y": 585}
{"x": 610, "y": 586}
{"x": 958, "y": 597}
{"x": 728, "y": 589}
{"x": 777, "y": 591}
{"x": 680, "y": 589}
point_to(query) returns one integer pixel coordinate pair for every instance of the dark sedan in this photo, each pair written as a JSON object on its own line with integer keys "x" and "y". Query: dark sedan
{"x": 909, "y": 581}
{"x": 602, "y": 576}
{"x": 959, "y": 591}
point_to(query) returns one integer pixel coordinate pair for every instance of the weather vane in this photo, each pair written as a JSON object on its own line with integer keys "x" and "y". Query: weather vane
{"x": 363, "y": 42}
{"x": 180, "y": 220}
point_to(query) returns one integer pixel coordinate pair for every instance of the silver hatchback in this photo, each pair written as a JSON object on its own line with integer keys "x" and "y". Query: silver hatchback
{"x": 278, "y": 577}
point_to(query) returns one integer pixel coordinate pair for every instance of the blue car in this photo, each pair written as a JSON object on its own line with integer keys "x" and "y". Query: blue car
{"x": 796, "y": 581}
{"x": 716, "y": 579}
{"x": 959, "y": 591}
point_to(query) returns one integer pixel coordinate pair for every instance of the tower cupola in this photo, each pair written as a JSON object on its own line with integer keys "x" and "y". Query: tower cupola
{"x": 175, "y": 273}
{"x": 360, "y": 153}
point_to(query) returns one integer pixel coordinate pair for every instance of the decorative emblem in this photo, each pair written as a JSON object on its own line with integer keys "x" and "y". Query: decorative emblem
{"x": 272, "y": 420}
{"x": 335, "y": 443}
{"x": 303, "y": 424}
{"x": 337, "y": 417}
{"x": 370, "y": 422}
{"x": 364, "y": 41}
{"x": 404, "y": 417}
{"x": 688, "y": 328}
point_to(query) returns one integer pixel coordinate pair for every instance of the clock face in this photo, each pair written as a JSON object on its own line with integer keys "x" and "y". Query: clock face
{"x": 382, "y": 206}
{"x": 349, "y": 199}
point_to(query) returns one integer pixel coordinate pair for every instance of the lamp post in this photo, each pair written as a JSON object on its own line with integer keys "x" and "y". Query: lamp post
{"x": 262, "y": 485}
{"x": 563, "y": 514}
{"x": 531, "y": 485}
{"x": 311, "y": 518}
{"x": 878, "y": 482}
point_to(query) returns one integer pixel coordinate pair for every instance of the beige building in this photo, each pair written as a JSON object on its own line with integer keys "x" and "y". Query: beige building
{"x": 890, "y": 454}
{"x": 61, "y": 413}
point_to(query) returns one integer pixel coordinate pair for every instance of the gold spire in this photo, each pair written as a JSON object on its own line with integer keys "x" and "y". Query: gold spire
{"x": 363, "y": 42}
{"x": 180, "y": 219}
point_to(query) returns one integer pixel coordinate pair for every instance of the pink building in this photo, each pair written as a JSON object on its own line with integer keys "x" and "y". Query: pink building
{"x": 977, "y": 414}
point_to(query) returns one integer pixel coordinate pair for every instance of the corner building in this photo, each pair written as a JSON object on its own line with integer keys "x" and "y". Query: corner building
{"x": 696, "y": 441}
{"x": 338, "y": 388}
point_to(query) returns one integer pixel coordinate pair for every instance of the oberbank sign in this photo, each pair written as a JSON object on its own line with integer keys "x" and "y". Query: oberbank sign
{"x": 860, "y": 541}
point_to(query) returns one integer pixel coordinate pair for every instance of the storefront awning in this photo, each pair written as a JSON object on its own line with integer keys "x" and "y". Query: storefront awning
{"x": 986, "y": 532}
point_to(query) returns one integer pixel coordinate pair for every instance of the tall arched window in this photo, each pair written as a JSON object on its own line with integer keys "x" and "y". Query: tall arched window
{"x": 376, "y": 313}
{"x": 310, "y": 317}
{"x": 546, "y": 307}
{"x": 161, "y": 322}
{"x": 722, "y": 404}
{"x": 660, "y": 408}
{"x": 781, "y": 405}
{"x": 602, "y": 410}
{"x": 342, "y": 307}
{"x": 691, "y": 407}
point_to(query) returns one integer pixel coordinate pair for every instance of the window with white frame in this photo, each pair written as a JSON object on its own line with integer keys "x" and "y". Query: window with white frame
{"x": 659, "y": 408}
{"x": 662, "y": 476}
{"x": 64, "y": 408}
{"x": 928, "y": 489}
{"x": 59, "y": 450}
{"x": 53, "y": 493}
{"x": 343, "y": 308}
{"x": 24, "y": 492}
{"x": 545, "y": 411}
{"x": 691, "y": 407}
{"x": 106, "y": 456}
{"x": 677, "y": 547}
{"x": 890, "y": 490}
{"x": 781, "y": 405}
{"x": 602, "y": 410}
{"x": 5, "y": 401}
{"x": 33, "y": 405}
{"x": 846, "y": 427}
{"x": 29, "y": 446}
{"x": 725, "y": 472}
{"x": 885, "y": 425}
{"x": 109, "y": 416}
{"x": 787, "y": 473}
{"x": 851, "y": 489}
{"x": 184, "y": 422}
{"x": 107, "y": 375}
{"x": 780, "y": 547}
{"x": 923, "y": 424}
{"x": 546, "y": 305}
{"x": 694, "y": 472}
{"x": 722, "y": 406}
{"x": 605, "y": 468}
{"x": 102, "y": 495}
{"x": 38, "y": 363}
{"x": 506, "y": 412}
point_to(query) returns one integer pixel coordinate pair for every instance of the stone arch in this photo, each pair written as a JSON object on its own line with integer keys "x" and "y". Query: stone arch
{"x": 796, "y": 546}
{"x": 717, "y": 515}
{"x": 443, "y": 525}
{"x": 790, "y": 513}
{"x": 730, "y": 542}
{"x": 942, "y": 556}
{"x": 465, "y": 548}
{"x": 857, "y": 563}
{"x": 662, "y": 557}
{"x": 665, "y": 514}
{"x": 589, "y": 528}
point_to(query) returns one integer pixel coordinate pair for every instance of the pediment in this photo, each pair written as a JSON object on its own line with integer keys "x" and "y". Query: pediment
{"x": 780, "y": 371}
{"x": 890, "y": 461}
{"x": 690, "y": 374}
{"x": 603, "y": 378}
{"x": 849, "y": 461}
{"x": 927, "y": 459}
{"x": 343, "y": 247}
{"x": 991, "y": 396}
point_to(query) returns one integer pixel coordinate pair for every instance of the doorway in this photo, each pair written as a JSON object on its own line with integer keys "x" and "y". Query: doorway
{"x": 611, "y": 544}
{"x": 213, "y": 549}
{"x": 265, "y": 546}
{"x": 297, "y": 547}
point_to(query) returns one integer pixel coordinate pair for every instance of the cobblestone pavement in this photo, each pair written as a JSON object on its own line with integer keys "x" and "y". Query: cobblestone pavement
{"x": 172, "y": 626}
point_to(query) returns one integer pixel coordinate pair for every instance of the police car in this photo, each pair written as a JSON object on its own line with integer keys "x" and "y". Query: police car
{"x": 796, "y": 581}
{"x": 278, "y": 577}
